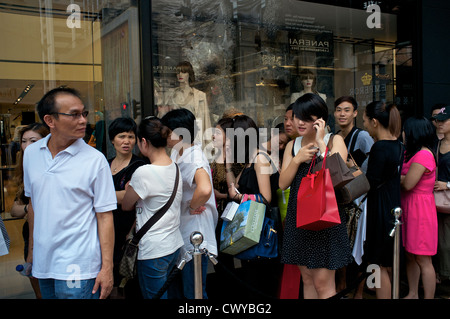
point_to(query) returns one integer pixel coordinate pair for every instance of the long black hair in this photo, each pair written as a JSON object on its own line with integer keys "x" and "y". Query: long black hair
{"x": 418, "y": 133}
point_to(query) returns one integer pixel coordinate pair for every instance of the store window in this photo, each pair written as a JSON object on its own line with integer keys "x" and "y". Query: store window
{"x": 252, "y": 55}
{"x": 92, "y": 46}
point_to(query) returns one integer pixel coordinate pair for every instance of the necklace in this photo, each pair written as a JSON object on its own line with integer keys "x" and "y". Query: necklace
{"x": 119, "y": 165}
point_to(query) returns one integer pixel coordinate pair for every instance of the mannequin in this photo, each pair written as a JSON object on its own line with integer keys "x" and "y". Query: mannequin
{"x": 188, "y": 97}
{"x": 308, "y": 80}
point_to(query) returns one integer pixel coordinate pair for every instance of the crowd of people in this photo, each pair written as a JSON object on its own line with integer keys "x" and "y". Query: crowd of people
{"x": 83, "y": 206}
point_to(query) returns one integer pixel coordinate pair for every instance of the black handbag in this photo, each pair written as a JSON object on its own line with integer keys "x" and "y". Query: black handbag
{"x": 127, "y": 266}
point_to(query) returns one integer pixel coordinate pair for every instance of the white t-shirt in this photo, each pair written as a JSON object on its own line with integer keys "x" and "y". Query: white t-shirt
{"x": 192, "y": 160}
{"x": 154, "y": 185}
{"x": 67, "y": 191}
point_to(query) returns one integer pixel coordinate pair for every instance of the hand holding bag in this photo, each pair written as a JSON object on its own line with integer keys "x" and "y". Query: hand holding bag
{"x": 316, "y": 201}
{"x": 339, "y": 172}
{"x": 127, "y": 266}
{"x": 357, "y": 187}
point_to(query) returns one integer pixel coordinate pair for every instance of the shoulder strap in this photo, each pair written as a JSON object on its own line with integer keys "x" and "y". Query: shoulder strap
{"x": 269, "y": 159}
{"x": 159, "y": 213}
{"x": 354, "y": 138}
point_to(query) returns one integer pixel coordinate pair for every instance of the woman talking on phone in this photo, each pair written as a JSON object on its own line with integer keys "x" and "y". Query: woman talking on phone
{"x": 317, "y": 253}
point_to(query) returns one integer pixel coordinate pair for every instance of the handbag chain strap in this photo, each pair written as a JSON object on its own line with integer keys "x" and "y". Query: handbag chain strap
{"x": 159, "y": 213}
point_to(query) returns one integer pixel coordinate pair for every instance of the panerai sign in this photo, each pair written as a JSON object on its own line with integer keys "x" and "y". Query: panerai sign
{"x": 301, "y": 44}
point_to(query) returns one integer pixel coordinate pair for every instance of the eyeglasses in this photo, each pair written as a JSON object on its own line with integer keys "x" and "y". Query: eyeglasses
{"x": 74, "y": 115}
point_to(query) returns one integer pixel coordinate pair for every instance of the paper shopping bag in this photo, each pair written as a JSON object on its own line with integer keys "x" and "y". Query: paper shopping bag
{"x": 316, "y": 201}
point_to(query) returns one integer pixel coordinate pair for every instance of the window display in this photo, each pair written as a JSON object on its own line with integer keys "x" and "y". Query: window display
{"x": 259, "y": 56}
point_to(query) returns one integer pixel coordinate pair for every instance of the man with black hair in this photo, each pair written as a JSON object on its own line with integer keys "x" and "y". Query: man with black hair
{"x": 358, "y": 141}
{"x": 72, "y": 198}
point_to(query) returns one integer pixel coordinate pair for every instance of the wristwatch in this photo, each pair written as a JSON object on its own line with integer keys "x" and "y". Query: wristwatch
{"x": 448, "y": 184}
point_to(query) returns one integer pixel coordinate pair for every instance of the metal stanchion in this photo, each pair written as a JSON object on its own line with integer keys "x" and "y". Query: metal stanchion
{"x": 395, "y": 232}
{"x": 196, "y": 240}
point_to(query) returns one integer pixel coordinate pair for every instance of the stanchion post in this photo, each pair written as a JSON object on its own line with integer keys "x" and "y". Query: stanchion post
{"x": 196, "y": 240}
{"x": 395, "y": 232}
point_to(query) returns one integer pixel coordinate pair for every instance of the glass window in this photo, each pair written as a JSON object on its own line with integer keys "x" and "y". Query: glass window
{"x": 255, "y": 55}
{"x": 92, "y": 46}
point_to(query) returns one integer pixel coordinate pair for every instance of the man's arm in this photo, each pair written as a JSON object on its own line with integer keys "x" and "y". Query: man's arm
{"x": 105, "y": 277}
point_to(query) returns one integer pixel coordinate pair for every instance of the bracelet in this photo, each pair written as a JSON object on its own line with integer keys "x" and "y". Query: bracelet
{"x": 25, "y": 209}
{"x": 190, "y": 208}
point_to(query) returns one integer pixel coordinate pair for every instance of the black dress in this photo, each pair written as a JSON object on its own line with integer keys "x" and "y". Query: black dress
{"x": 123, "y": 220}
{"x": 383, "y": 173}
{"x": 328, "y": 248}
{"x": 262, "y": 274}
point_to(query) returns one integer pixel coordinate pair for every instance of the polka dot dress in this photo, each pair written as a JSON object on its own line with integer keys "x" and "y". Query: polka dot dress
{"x": 328, "y": 248}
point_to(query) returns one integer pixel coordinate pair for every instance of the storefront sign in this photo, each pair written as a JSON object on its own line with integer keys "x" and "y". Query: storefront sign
{"x": 302, "y": 44}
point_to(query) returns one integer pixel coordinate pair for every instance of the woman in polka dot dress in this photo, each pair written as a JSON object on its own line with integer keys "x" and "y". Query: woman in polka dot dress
{"x": 317, "y": 253}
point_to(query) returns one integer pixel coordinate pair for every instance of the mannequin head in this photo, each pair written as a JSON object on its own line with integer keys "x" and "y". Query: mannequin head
{"x": 186, "y": 72}
{"x": 308, "y": 80}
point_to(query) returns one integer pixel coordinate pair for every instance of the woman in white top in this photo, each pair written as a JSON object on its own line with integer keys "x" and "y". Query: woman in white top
{"x": 150, "y": 188}
{"x": 198, "y": 207}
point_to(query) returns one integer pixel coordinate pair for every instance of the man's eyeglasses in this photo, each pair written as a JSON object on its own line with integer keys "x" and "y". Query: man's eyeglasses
{"x": 74, "y": 115}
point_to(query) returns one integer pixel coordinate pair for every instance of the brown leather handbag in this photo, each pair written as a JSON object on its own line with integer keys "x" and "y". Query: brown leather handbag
{"x": 357, "y": 187}
{"x": 339, "y": 172}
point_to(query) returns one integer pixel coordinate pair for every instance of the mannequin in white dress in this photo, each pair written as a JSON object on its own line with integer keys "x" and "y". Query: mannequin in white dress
{"x": 188, "y": 97}
{"x": 308, "y": 80}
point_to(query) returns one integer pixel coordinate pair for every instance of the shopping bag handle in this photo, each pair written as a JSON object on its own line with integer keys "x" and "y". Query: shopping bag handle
{"x": 314, "y": 159}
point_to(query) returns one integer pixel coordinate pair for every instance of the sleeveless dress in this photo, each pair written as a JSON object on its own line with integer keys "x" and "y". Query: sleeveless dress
{"x": 328, "y": 248}
{"x": 420, "y": 225}
{"x": 383, "y": 173}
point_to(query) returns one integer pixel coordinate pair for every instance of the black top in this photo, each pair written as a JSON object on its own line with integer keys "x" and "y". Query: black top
{"x": 123, "y": 220}
{"x": 248, "y": 182}
{"x": 383, "y": 173}
{"x": 443, "y": 166}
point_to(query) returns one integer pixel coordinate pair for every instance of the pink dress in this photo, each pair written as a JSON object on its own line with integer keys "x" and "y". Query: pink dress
{"x": 419, "y": 217}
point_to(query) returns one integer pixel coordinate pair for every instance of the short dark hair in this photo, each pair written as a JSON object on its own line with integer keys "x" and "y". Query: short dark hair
{"x": 153, "y": 131}
{"x": 348, "y": 99}
{"x": 181, "y": 118}
{"x": 120, "y": 125}
{"x": 47, "y": 104}
{"x": 308, "y": 105}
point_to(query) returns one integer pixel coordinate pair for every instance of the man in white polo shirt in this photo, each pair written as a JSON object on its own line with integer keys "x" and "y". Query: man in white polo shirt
{"x": 72, "y": 196}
